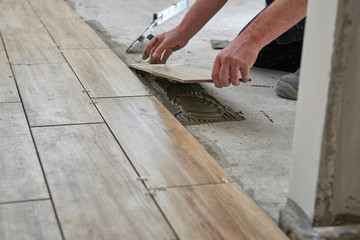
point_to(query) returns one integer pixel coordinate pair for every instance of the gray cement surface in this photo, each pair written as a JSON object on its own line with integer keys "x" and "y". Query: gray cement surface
{"x": 255, "y": 152}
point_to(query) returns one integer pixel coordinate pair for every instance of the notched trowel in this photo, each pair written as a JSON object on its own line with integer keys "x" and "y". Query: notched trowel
{"x": 138, "y": 45}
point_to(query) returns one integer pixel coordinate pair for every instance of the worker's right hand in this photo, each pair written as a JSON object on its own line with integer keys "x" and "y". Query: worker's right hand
{"x": 162, "y": 46}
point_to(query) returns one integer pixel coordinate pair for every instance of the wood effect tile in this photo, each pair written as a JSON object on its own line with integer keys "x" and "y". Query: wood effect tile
{"x": 28, "y": 220}
{"x": 52, "y": 95}
{"x": 103, "y": 73}
{"x": 157, "y": 144}
{"x": 220, "y": 211}
{"x": 30, "y": 46}
{"x": 21, "y": 177}
{"x": 73, "y": 33}
{"x": 178, "y": 73}
{"x": 53, "y": 9}
{"x": 8, "y": 91}
{"x": 94, "y": 187}
{"x": 18, "y": 16}
{"x": 13, "y": 1}
{"x": 1, "y": 44}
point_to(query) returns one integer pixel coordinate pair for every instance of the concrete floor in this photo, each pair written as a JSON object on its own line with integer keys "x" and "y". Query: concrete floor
{"x": 255, "y": 152}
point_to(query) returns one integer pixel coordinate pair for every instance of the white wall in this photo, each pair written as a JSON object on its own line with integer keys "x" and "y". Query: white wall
{"x": 312, "y": 102}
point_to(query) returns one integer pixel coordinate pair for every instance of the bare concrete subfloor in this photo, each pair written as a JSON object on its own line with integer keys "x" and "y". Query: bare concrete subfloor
{"x": 256, "y": 152}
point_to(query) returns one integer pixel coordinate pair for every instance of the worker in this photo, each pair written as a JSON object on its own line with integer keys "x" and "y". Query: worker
{"x": 254, "y": 45}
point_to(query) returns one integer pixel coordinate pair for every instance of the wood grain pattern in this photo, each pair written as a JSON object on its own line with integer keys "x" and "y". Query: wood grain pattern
{"x": 93, "y": 186}
{"x": 179, "y": 73}
{"x": 53, "y": 9}
{"x": 52, "y": 95}
{"x": 157, "y": 144}
{"x": 21, "y": 177}
{"x": 103, "y": 73}
{"x": 13, "y": 1}
{"x": 18, "y": 16}
{"x": 30, "y": 45}
{"x": 73, "y": 33}
{"x": 219, "y": 211}
{"x": 8, "y": 91}
{"x": 29, "y": 220}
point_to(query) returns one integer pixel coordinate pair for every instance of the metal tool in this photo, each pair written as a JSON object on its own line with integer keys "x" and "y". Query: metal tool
{"x": 158, "y": 18}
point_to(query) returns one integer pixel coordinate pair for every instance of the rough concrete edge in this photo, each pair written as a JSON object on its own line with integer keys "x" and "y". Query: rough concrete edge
{"x": 331, "y": 154}
{"x": 348, "y": 232}
{"x": 296, "y": 224}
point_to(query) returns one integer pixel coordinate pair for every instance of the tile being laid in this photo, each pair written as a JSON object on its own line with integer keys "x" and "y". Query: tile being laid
{"x": 178, "y": 73}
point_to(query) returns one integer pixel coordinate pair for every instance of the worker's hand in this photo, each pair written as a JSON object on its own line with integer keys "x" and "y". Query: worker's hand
{"x": 239, "y": 55}
{"x": 162, "y": 46}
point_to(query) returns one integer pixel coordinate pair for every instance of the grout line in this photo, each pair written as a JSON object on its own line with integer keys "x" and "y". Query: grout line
{"x": 79, "y": 48}
{"x": 24, "y": 201}
{"x": 136, "y": 171}
{"x": 10, "y": 102}
{"x": 38, "y": 63}
{"x": 133, "y": 96}
{"x": 67, "y": 124}
{"x": 33, "y": 140}
{"x": 198, "y": 185}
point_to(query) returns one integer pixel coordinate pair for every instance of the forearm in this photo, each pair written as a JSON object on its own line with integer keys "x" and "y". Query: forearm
{"x": 199, "y": 14}
{"x": 273, "y": 21}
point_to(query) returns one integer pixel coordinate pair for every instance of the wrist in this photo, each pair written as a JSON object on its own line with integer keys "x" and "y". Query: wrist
{"x": 249, "y": 39}
{"x": 182, "y": 32}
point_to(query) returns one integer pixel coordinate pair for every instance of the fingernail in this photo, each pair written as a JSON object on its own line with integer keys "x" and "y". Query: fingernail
{"x": 145, "y": 55}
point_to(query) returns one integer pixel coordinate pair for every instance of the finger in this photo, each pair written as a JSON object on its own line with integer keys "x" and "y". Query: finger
{"x": 245, "y": 70}
{"x": 153, "y": 59}
{"x": 215, "y": 73}
{"x": 165, "y": 56}
{"x": 234, "y": 74}
{"x": 159, "y": 50}
{"x": 224, "y": 74}
{"x": 149, "y": 46}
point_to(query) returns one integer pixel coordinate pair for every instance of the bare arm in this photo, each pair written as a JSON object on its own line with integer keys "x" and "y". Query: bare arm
{"x": 241, "y": 53}
{"x": 161, "y": 47}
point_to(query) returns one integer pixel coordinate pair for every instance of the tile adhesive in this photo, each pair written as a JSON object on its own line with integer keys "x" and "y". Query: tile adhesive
{"x": 189, "y": 103}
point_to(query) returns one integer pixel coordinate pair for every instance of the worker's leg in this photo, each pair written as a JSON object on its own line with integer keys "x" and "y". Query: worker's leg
{"x": 285, "y": 57}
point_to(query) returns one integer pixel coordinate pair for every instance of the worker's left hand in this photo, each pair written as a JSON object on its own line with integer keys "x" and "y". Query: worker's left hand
{"x": 162, "y": 46}
{"x": 239, "y": 55}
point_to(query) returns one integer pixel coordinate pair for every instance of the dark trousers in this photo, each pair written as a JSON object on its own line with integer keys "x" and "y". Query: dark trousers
{"x": 284, "y": 57}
